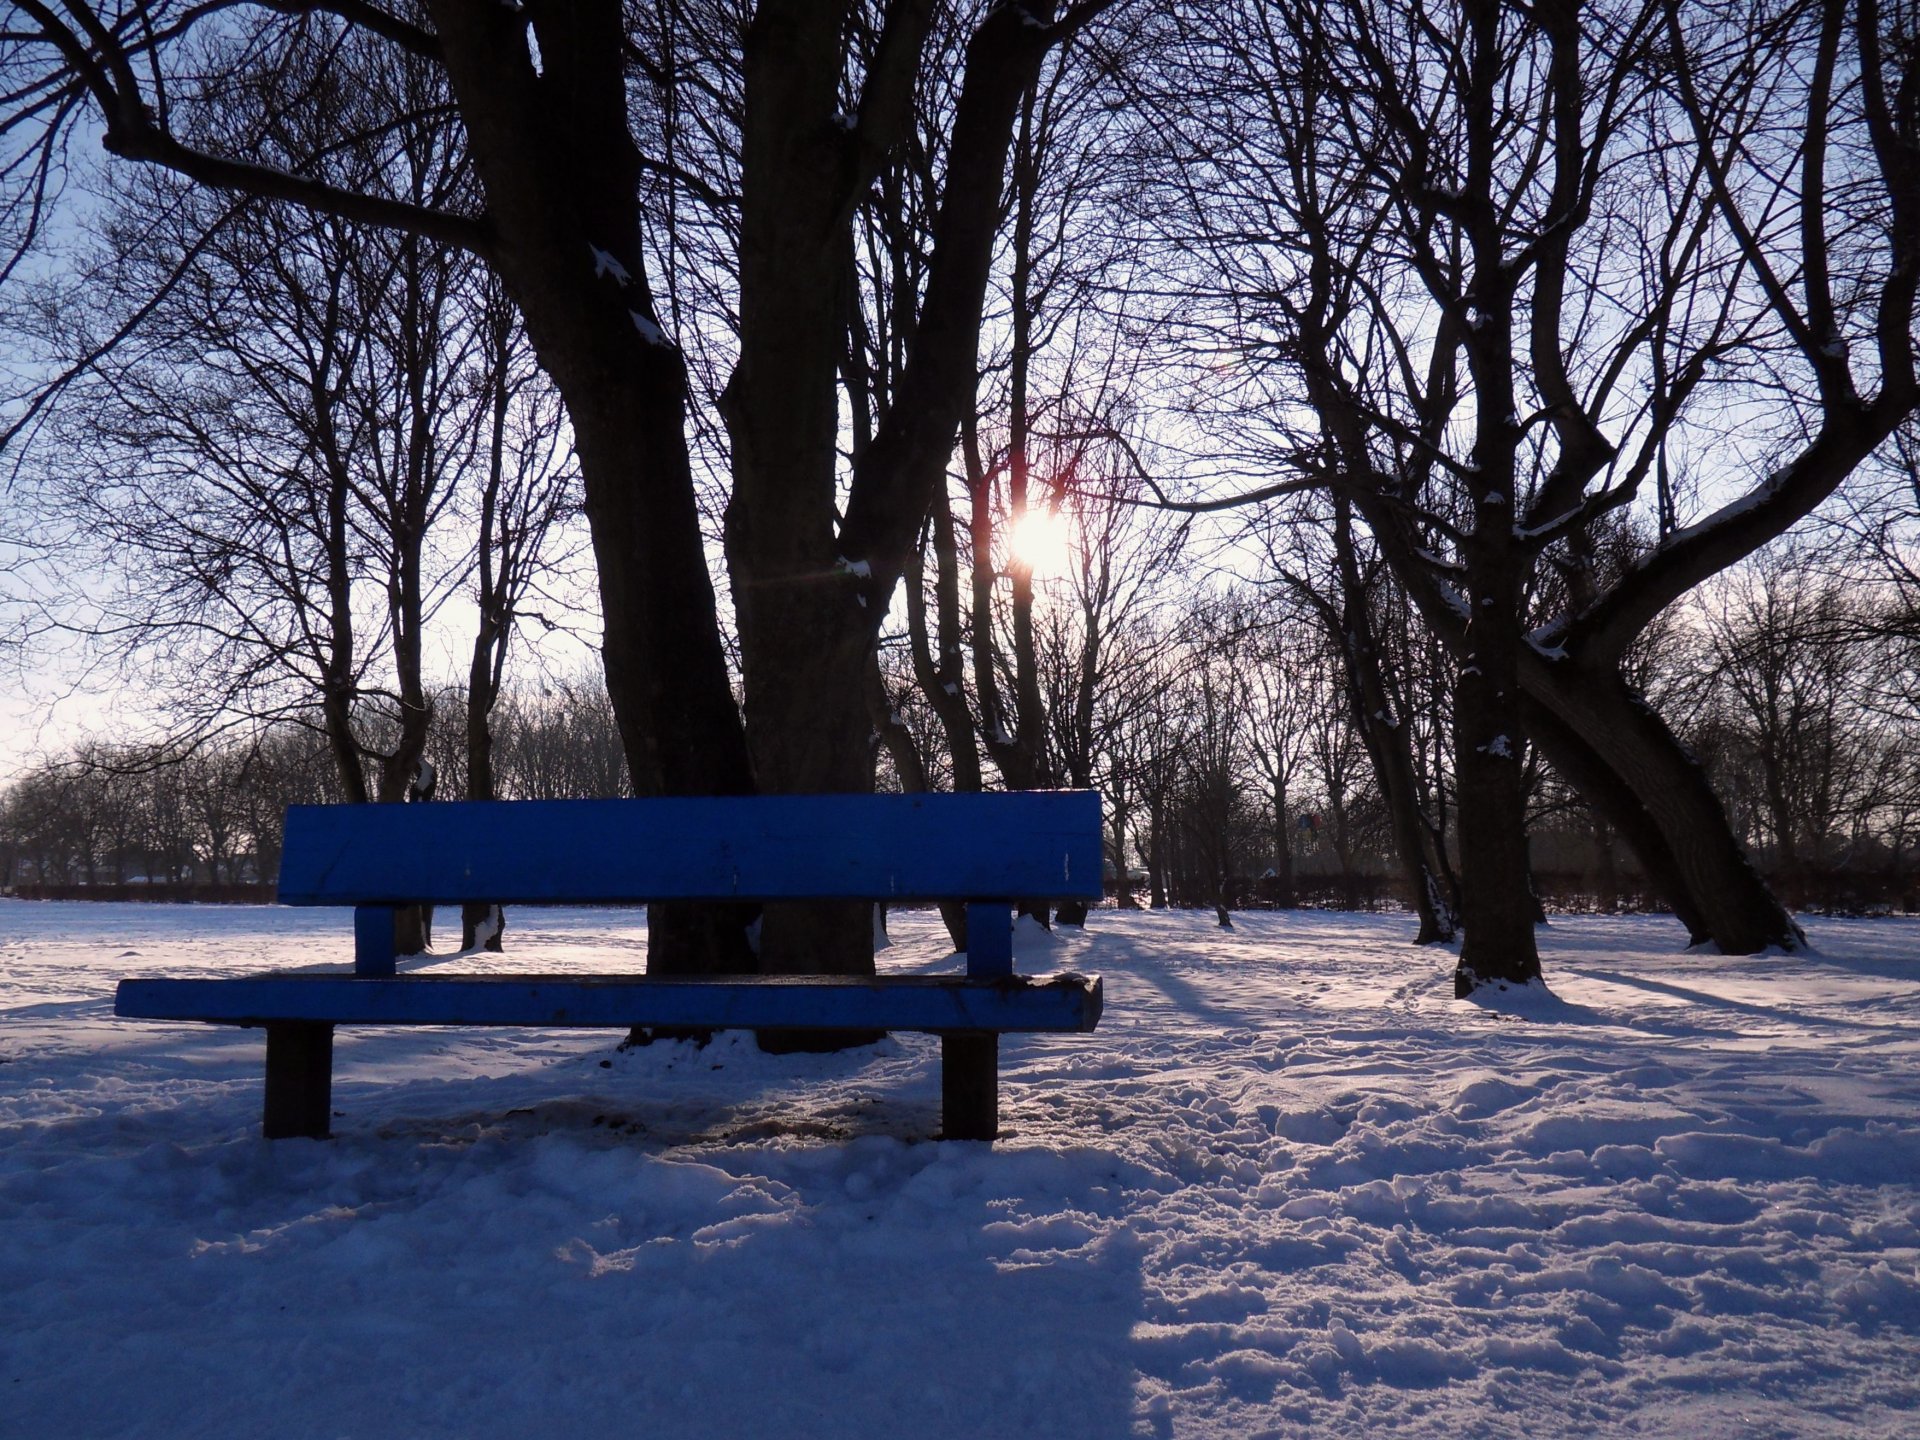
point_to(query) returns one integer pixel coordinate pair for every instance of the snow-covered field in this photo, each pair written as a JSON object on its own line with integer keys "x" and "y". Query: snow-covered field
{"x": 1290, "y": 1187}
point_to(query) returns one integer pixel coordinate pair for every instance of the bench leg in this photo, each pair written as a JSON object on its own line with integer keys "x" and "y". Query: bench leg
{"x": 970, "y": 1085}
{"x": 299, "y": 1080}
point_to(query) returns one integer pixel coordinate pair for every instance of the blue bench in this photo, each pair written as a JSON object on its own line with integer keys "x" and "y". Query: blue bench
{"x": 984, "y": 849}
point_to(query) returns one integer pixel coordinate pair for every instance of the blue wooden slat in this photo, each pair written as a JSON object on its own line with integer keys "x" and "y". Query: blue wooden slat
{"x": 374, "y": 943}
{"x": 770, "y": 847}
{"x": 990, "y": 939}
{"x": 899, "y": 1002}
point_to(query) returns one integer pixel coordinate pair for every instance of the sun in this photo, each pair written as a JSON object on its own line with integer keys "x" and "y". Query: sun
{"x": 1042, "y": 541}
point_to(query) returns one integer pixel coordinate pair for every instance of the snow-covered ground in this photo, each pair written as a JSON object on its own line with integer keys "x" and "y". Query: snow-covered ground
{"x": 1290, "y": 1187}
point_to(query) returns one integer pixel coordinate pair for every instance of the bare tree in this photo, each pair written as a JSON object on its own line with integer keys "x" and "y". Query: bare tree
{"x": 544, "y": 96}
{"x": 1519, "y": 261}
{"x": 526, "y": 489}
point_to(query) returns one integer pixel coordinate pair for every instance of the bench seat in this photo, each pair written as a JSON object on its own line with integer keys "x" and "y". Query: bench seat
{"x": 935, "y": 1004}
{"x": 985, "y": 850}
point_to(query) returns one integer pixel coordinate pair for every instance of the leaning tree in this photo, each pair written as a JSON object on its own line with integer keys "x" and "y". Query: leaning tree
{"x": 1515, "y": 269}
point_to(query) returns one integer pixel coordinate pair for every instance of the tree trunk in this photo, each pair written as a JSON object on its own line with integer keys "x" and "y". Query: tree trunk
{"x": 1714, "y": 888}
{"x": 1123, "y": 896}
{"x": 1603, "y": 788}
{"x": 912, "y": 770}
{"x": 1157, "y": 858}
{"x": 553, "y": 150}
{"x": 1606, "y": 874}
{"x": 482, "y": 925}
{"x": 1383, "y": 728}
{"x": 562, "y": 180}
{"x": 1286, "y": 897}
{"x": 942, "y": 679}
{"x": 805, "y": 634}
{"x": 1496, "y": 894}
{"x": 1496, "y": 909}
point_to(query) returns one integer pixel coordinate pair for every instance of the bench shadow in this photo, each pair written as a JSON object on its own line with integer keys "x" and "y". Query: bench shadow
{"x": 776, "y": 1263}
{"x": 944, "y": 1313}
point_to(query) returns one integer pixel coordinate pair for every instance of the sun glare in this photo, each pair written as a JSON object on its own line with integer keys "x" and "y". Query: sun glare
{"x": 1040, "y": 541}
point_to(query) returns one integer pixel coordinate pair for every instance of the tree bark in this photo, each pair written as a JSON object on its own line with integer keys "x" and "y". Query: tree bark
{"x": 1383, "y": 729}
{"x": 561, "y": 177}
{"x": 1602, "y": 787}
{"x": 1714, "y": 888}
{"x": 1496, "y": 893}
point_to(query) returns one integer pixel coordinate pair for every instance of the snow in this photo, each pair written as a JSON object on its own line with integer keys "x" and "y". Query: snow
{"x": 604, "y": 265}
{"x": 1546, "y": 640}
{"x": 1732, "y": 510}
{"x": 1290, "y": 1187}
{"x": 649, "y": 332}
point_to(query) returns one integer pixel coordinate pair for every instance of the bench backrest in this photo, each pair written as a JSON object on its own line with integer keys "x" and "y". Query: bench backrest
{"x": 1044, "y": 844}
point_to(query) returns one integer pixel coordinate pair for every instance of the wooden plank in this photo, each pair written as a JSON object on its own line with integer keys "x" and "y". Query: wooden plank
{"x": 375, "y": 945}
{"x": 970, "y": 1086}
{"x": 933, "y": 1003}
{"x": 299, "y": 1082}
{"x": 989, "y": 939}
{"x": 770, "y": 847}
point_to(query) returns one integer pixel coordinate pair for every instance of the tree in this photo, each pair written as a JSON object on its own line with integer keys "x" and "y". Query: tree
{"x": 1355, "y": 609}
{"x": 525, "y": 491}
{"x": 543, "y": 94}
{"x": 1787, "y": 671}
{"x": 271, "y": 464}
{"x": 1518, "y": 262}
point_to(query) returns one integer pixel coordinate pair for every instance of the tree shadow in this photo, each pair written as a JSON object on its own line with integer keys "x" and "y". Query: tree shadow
{"x": 1739, "y": 1007}
{"x": 1536, "y": 1004}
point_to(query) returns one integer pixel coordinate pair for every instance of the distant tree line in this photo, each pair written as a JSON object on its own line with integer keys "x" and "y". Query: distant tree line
{"x": 152, "y": 822}
{"x": 1235, "y": 769}
{"x": 1477, "y": 440}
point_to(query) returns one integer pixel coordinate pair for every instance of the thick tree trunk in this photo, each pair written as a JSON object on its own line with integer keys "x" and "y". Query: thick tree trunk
{"x": 562, "y": 183}
{"x": 805, "y": 634}
{"x": 1723, "y": 896}
{"x": 1496, "y": 907}
{"x": 1602, "y": 787}
{"x": 552, "y": 148}
{"x": 1496, "y": 893}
